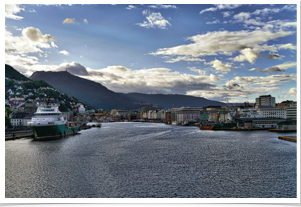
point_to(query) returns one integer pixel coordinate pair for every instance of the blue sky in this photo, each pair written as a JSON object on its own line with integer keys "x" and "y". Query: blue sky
{"x": 219, "y": 52}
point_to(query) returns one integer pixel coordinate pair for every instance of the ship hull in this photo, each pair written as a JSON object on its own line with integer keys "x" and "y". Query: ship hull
{"x": 53, "y": 131}
{"x": 206, "y": 127}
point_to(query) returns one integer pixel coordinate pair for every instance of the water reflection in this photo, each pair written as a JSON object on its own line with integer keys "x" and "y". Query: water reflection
{"x": 152, "y": 160}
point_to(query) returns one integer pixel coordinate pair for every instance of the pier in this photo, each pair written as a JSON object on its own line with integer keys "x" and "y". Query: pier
{"x": 18, "y": 134}
{"x": 288, "y": 138}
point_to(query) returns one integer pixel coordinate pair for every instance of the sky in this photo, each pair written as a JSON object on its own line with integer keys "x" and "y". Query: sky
{"x": 222, "y": 52}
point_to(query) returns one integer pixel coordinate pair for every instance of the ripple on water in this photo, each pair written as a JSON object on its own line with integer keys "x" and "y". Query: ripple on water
{"x": 152, "y": 160}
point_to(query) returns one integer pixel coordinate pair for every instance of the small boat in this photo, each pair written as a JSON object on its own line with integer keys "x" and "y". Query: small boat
{"x": 48, "y": 123}
{"x": 207, "y": 125}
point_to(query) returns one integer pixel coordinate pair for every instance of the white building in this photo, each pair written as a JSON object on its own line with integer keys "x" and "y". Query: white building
{"x": 266, "y": 100}
{"x": 291, "y": 111}
{"x": 81, "y": 109}
{"x": 271, "y": 112}
{"x": 187, "y": 113}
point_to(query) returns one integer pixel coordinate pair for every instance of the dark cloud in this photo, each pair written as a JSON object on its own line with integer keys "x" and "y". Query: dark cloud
{"x": 275, "y": 69}
{"x": 273, "y": 56}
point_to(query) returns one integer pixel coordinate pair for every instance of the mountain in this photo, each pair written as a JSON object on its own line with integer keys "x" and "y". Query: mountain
{"x": 92, "y": 93}
{"x": 12, "y": 73}
{"x": 172, "y": 100}
{"x": 97, "y": 96}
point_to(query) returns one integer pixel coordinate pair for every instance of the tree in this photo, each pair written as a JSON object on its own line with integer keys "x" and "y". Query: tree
{"x": 7, "y": 122}
{"x": 8, "y": 111}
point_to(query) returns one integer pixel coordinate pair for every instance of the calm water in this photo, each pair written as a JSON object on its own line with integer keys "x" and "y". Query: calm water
{"x": 152, "y": 160}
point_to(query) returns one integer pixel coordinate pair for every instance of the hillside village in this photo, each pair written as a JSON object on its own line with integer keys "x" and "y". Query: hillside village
{"x": 22, "y": 96}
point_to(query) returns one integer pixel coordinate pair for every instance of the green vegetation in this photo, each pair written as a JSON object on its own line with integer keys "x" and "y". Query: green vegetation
{"x": 40, "y": 89}
{"x": 7, "y": 122}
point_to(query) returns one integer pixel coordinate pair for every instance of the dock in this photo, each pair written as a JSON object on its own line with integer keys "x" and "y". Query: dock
{"x": 288, "y": 138}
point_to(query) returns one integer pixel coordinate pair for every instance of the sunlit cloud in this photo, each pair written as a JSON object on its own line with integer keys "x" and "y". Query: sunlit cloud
{"x": 69, "y": 21}
{"x": 155, "y": 20}
{"x": 11, "y": 10}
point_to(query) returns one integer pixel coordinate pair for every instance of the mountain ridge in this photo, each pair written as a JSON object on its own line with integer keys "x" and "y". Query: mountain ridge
{"x": 98, "y": 96}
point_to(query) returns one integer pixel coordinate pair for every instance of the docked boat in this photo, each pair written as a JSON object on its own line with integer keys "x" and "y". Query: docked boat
{"x": 48, "y": 123}
{"x": 207, "y": 125}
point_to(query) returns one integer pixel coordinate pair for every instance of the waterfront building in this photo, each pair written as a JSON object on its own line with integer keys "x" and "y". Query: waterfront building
{"x": 204, "y": 115}
{"x": 167, "y": 117}
{"x": 258, "y": 122}
{"x": 291, "y": 111}
{"x": 187, "y": 113}
{"x": 270, "y": 112}
{"x": 122, "y": 113}
{"x": 287, "y": 125}
{"x": 223, "y": 116}
{"x": 18, "y": 118}
{"x": 265, "y": 100}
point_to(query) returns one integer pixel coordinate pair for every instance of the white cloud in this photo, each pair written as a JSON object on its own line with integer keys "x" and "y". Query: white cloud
{"x": 86, "y": 21}
{"x": 265, "y": 11}
{"x": 54, "y": 45}
{"x": 69, "y": 21}
{"x": 218, "y": 65}
{"x": 287, "y": 65}
{"x": 74, "y": 68}
{"x": 11, "y": 10}
{"x": 183, "y": 58}
{"x": 32, "y": 40}
{"x": 130, "y": 7}
{"x": 223, "y": 42}
{"x": 155, "y": 20}
{"x": 292, "y": 92}
{"x": 227, "y": 13}
{"x": 220, "y": 7}
{"x": 213, "y": 78}
{"x": 247, "y": 54}
{"x": 162, "y": 6}
{"x": 242, "y": 16}
{"x": 153, "y": 80}
{"x": 287, "y": 46}
{"x": 35, "y": 35}
{"x": 64, "y": 52}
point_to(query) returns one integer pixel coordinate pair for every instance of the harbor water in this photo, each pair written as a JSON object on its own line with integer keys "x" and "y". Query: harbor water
{"x": 151, "y": 160}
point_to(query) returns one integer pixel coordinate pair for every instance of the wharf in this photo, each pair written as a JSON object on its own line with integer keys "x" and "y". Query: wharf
{"x": 288, "y": 138}
{"x": 17, "y": 135}
{"x": 281, "y": 130}
{"x": 242, "y": 129}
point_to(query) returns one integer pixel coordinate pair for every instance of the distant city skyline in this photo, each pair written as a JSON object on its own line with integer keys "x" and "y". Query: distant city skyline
{"x": 218, "y": 51}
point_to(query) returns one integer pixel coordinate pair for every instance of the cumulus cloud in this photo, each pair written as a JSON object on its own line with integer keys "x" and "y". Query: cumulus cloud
{"x": 64, "y": 52}
{"x": 11, "y": 10}
{"x": 223, "y": 42}
{"x": 86, "y": 21}
{"x": 130, "y": 7}
{"x": 36, "y": 35}
{"x": 227, "y": 13}
{"x": 242, "y": 16}
{"x": 74, "y": 68}
{"x": 32, "y": 40}
{"x": 292, "y": 92}
{"x": 247, "y": 54}
{"x": 232, "y": 85}
{"x": 153, "y": 80}
{"x": 155, "y": 20}
{"x": 69, "y": 21}
{"x": 213, "y": 78}
{"x": 218, "y": 65}
{"x": 265, "y": 11}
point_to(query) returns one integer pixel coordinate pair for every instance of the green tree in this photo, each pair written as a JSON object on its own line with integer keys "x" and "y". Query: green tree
{"x": 7, "y": 122}
{"x": 8, "y": 110}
